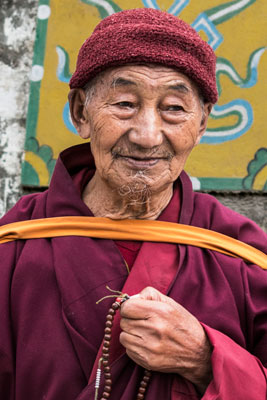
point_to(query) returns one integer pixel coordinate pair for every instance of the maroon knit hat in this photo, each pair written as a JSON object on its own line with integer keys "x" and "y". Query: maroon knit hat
{"x": 145, "y": 35}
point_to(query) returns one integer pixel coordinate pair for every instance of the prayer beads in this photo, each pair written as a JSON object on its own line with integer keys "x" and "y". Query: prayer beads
{"x": 105, "y": 356}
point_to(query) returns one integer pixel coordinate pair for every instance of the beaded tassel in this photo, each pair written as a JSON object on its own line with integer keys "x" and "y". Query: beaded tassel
{"x": 98, "y": 377}
{"x": 105, "y": 354}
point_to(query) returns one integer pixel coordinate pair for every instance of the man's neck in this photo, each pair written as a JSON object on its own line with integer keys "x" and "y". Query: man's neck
{"x": 111, "y": 203}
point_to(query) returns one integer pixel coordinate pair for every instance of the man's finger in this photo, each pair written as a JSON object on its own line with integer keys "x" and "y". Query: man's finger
{"x": 150, "y": 293}
{"x": 137, "y": 308}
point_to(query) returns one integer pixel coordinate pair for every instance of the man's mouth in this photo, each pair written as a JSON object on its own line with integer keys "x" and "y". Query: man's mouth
{"x": 140, "y": 162}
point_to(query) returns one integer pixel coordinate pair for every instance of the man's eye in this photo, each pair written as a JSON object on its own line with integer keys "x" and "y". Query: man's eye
{"x": 173, "y": 107}
{"x": 125, "y": 104}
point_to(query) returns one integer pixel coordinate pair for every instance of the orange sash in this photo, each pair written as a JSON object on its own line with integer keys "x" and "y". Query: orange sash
{"x": 143, "y": 230}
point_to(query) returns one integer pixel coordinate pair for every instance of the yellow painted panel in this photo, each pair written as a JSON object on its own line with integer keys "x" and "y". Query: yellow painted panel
{"x": 39, "y": 166}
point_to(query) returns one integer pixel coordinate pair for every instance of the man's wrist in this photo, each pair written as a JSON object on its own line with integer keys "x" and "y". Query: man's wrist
{"x": 201, "y": 375}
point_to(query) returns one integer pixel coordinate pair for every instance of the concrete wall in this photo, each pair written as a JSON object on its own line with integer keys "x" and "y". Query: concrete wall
{"x": 17, "y": 34}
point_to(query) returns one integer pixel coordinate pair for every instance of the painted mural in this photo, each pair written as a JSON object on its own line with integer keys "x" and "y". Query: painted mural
{"x": 232, "y": 154}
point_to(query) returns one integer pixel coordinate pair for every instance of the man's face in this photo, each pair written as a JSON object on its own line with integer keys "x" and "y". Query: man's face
{"x": 143, "y": 122}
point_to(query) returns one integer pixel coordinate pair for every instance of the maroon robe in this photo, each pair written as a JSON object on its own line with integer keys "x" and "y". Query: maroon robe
{"x": 51, "y": 328}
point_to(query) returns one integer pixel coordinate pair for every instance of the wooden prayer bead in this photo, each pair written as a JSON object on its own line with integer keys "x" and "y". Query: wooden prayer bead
{"x": 111, "y": 311}
{"x": 143, "y": 384}
{"x": 105, "y": 395}
{"x": 140, "y": 396}
{"x": 146, "y": 378}
{"x": 109, "y": 324}
{"x": 105, "y": 350}
{"x": 107, "y": 337}
{"x": 107, "y": 330}
{"x": 109, "y": 317}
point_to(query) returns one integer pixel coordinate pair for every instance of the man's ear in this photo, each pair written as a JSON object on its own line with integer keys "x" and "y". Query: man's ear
{"x": 79, "y": 113}
{"x": 206, "y": 109}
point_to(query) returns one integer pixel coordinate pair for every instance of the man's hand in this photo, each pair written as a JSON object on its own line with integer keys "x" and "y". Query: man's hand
{"x": 160, "y": 335}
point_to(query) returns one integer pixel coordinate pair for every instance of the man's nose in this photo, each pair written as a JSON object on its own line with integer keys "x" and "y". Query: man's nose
{"x": 147, "y": 130}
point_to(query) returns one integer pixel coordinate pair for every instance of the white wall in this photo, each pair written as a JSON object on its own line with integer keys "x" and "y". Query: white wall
{"x": 17, "y": 33}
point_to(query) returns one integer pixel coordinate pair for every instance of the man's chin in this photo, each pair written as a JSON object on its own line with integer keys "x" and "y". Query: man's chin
{"x": 142, "y": 187}
{"x": 150, "y": 181}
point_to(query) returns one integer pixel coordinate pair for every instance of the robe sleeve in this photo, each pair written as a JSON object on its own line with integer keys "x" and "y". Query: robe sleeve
{"x": 240, "y": 373}
{"x": 237, "y": 374}
{"x": 9, "y": 253}
{"x": 7, "y": 374}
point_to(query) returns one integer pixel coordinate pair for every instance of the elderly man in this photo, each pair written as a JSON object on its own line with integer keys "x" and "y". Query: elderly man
{"x": 197, "y": 326}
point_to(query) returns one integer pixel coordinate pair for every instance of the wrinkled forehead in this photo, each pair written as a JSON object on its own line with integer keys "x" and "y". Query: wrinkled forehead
{"x": 144, "y": 75}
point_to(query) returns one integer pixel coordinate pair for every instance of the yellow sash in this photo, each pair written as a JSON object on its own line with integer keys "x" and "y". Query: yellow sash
{"x": 143, "y": 230}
